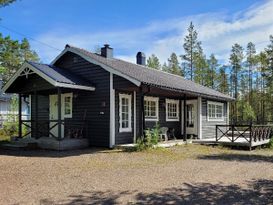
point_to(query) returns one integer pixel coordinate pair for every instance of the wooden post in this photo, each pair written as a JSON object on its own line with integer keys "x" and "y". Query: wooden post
{"x": 216, "y": 133}
{"x": 185, "y": 119}
{"x": 59, "y": 114}
{"x": 20, "y": 114}
{"x": 232, "y": 132}
{"x": 142, "y": 114}
{"x": 36, "y": 114}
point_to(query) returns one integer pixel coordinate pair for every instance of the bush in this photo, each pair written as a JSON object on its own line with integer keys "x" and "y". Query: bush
{"x": 270, "y": 144}
{"x": 151, "y": 138}
{"x": 10, "y": 128}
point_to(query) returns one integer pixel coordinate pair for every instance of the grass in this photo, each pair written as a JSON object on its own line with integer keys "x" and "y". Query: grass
{"x": 4, "y": 138}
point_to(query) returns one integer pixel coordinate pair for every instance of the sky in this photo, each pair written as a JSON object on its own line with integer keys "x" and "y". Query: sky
{"x": 153, "y": 27}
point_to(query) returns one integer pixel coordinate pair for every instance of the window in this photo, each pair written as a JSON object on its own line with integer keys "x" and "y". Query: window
{"x": 215, "y": 111}
{"x": 151, "y": 108}
{"x": 172, "y": 110}
{"x": 125, "y": 113}
{"x": 190, "y": 118}
{"x": 67, "y": 100}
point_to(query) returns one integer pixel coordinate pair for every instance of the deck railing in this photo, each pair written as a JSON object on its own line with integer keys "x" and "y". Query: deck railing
{"x": 249, "y": 133}
{"x": 41, "y": 128}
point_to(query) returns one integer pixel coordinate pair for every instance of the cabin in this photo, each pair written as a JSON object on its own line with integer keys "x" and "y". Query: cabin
{"x": 88, "y": 99}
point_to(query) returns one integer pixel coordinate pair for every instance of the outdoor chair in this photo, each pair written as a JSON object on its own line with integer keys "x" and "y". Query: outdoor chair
{"x": 171, "y": 134}
{"x": 164, "y": 133}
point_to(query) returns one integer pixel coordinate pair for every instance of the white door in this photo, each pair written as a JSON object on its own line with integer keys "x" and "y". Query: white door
{"x": 53, "y": 115}
{"x": 191, "y": 117}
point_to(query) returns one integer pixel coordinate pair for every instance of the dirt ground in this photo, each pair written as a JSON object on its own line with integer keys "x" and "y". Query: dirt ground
{"x": 189, "y": 174}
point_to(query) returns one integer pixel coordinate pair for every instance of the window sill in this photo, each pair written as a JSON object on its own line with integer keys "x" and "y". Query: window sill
{"x": 125, "y": 130}
{"x": 216, "y": 120}
{"x": 151, "y": 120}
{"x": 172, "y": 120}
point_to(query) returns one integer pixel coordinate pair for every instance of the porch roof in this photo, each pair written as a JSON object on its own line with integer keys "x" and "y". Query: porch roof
{"x": 55, "y": 76}
{"x": 139, "y": 74}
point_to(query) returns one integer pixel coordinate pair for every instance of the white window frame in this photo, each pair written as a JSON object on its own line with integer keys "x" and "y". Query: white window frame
{"x": 70, "y": 104}
{"x": 215, "y": 104}
{"x": 129, "y": 128}
{"x": 156, "y": 100}
{"x": 176, "y": 102}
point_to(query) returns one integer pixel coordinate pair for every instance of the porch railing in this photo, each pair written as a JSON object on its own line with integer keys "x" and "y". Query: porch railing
{"x": 248, "y": 133}
{"x": 42, "y": 128}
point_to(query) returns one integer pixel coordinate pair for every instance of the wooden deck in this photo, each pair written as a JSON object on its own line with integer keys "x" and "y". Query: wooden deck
{"x": 226, "y": 141}
{"x": 240, "y": 135}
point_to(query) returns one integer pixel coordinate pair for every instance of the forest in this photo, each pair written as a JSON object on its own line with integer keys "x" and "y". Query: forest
{"x": 247, "y": 76}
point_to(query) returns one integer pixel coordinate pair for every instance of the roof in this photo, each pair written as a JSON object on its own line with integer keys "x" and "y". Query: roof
{"x": 56, "y": 76}
{"x": 60, "y": 75}
{"x": 145, "y": 75}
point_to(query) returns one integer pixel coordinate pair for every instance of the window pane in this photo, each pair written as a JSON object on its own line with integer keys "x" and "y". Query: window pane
{"x": 150, "y": 108}
{"x": 67, "y": 105}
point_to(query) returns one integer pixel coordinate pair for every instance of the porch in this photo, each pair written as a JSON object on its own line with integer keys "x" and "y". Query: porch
{"x": 240, "y": 135}
{"x": 50, "y": 93}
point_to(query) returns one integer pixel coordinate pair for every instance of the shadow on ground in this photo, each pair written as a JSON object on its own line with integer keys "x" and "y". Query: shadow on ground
{"x": 256, "y": 192}
{"x": 52, "y": 153}
{"x": 238, "y": 157}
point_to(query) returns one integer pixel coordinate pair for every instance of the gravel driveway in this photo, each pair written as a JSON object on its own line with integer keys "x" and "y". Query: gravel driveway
{"x": 189, "y": 174}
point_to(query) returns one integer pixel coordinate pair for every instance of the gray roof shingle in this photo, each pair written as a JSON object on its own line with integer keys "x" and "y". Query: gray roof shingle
{"x": 154, "y": 77}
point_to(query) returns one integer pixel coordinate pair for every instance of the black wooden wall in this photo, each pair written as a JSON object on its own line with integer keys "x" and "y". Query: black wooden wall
{"x": 96, "y": 104}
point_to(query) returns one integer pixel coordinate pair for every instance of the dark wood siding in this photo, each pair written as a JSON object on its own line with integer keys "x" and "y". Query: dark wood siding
{"x": 208, "y": 127}
{"x": 95, "y": 104}
{"x": 30, "y": 84}
{"x": 123, "y": 86}
{"x": 123, "y": 137}
{"x": 162, "y": 118}
{"x": 43, "y": 112}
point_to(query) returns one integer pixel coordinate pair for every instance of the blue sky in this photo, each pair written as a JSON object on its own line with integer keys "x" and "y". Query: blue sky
{"x": 153, "y": 26}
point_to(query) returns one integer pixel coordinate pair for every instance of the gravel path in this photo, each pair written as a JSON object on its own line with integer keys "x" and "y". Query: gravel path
{"x": 181, "y": 175}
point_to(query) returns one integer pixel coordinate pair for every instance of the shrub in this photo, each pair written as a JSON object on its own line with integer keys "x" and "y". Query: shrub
{"x": 10, "y": 128}
{"x": 140, "y": 144}
{"x": 151, "y": 138}
{"x": 270, "y": 144}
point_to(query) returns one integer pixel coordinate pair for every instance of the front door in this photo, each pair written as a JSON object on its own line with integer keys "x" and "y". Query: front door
{"x": 53, "y": 115}
{"x": 191, "y": 117}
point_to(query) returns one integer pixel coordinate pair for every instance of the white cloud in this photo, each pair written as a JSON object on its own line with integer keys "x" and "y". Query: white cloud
{"x": 217, "y": 31}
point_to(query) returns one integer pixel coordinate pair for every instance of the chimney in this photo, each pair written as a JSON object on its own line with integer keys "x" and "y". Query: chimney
{"x": 106, "y": 51}
{"x": 141, "y": 58}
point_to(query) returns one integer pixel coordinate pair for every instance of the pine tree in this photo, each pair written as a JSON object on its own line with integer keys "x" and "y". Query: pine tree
{"x": 153, "y": 62}
{"x": 222, "y": 80}
{"x": 173, "y": 65}
{"x": 200, "y": 64}
{"x": 269, "y": 75}
{"x": 212, "y": 71}
{"x": 236, "y": 58}
{"x": 191, "y": 47}
{"x": 251, "y": 61}
{"x": 165, "y": 67}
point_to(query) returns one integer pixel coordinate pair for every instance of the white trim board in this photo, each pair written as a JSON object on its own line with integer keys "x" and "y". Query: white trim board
{"x": 45, "y": 77}
{"x": 112, "y": 113}
{"x": 91, "y": 60}
{"x": 222, "y": 119}
{"x": 176, "y": 102}
{"x": 134, "y": 116}
{"x": 199, "y": 117}
{"x": 129, "y": 128}
{"x": 156, "y": 100}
